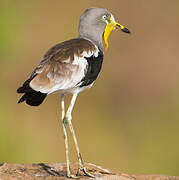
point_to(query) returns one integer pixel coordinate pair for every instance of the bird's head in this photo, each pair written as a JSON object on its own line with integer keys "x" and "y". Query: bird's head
{"x": 97, "y": 23}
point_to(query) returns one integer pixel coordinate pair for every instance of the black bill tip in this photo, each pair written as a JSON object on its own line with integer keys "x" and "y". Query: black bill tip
{"x": 125, "y": 30}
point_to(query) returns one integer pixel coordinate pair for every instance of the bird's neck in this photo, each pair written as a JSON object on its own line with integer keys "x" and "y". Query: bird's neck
{"x": 95, "y": 38}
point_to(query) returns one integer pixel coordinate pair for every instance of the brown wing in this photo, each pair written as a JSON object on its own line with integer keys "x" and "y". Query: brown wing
{"x": 58, "y": 66}
{"x": 62, "y": 63}
{"x": 61, "y": 52}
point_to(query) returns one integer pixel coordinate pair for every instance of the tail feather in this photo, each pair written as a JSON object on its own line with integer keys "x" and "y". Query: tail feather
{"x": 31, "y": 97}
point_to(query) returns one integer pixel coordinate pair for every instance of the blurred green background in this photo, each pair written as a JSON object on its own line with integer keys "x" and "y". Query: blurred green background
{"x": 129, "y": 120}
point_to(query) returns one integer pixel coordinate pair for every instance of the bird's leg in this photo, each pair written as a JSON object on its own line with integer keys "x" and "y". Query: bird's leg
{"x": 64, "y": 122}
{"x": 69, "y": 119}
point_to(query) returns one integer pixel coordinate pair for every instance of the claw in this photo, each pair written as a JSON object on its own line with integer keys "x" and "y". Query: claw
{"x": 69, "y": 175}
{"x": 84, "y": 170}
{"x": 72, "y": 176}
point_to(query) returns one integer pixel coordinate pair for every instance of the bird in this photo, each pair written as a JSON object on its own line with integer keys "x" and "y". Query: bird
{"x": 71, "y": 67}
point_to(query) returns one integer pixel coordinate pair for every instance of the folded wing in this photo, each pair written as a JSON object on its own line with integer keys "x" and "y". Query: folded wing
{"x": 62, "y": 68}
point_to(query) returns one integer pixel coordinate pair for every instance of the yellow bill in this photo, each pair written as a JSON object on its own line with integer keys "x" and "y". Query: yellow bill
{"x": 109, "y": 27}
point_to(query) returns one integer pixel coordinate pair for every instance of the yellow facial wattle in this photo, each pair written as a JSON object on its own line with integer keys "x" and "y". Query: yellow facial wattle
{"x": 107, "y": 32}
{"x": 109, "y": 27}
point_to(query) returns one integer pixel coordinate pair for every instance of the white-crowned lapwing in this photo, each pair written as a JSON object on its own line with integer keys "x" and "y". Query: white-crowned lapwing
{"x": 71, "y": 67}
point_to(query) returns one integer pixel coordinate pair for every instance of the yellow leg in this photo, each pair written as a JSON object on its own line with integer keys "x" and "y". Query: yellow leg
{"x": 69, "y": 120}
{"x": 64, "y": 122}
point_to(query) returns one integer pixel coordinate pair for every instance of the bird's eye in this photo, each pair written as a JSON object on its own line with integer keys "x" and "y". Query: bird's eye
{"x": 104, "y": 17}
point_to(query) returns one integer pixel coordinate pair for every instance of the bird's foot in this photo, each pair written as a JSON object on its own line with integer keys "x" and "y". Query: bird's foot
{"x": 84, "y": 170}
{"x": 69, "y": 175}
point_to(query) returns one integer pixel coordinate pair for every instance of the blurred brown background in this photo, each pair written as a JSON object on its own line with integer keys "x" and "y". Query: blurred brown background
{"x": 129, "y": 120}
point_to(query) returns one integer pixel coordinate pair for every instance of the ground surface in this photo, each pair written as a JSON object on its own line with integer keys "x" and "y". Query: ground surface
{"x": 57, "y": 171}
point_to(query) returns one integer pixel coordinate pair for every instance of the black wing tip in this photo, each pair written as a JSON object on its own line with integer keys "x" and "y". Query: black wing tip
{"x": 33, "y": 98}
{"x": 30, "y": 96}
{"x": 20, "y": 101}
{"x": 20, "y": 90}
